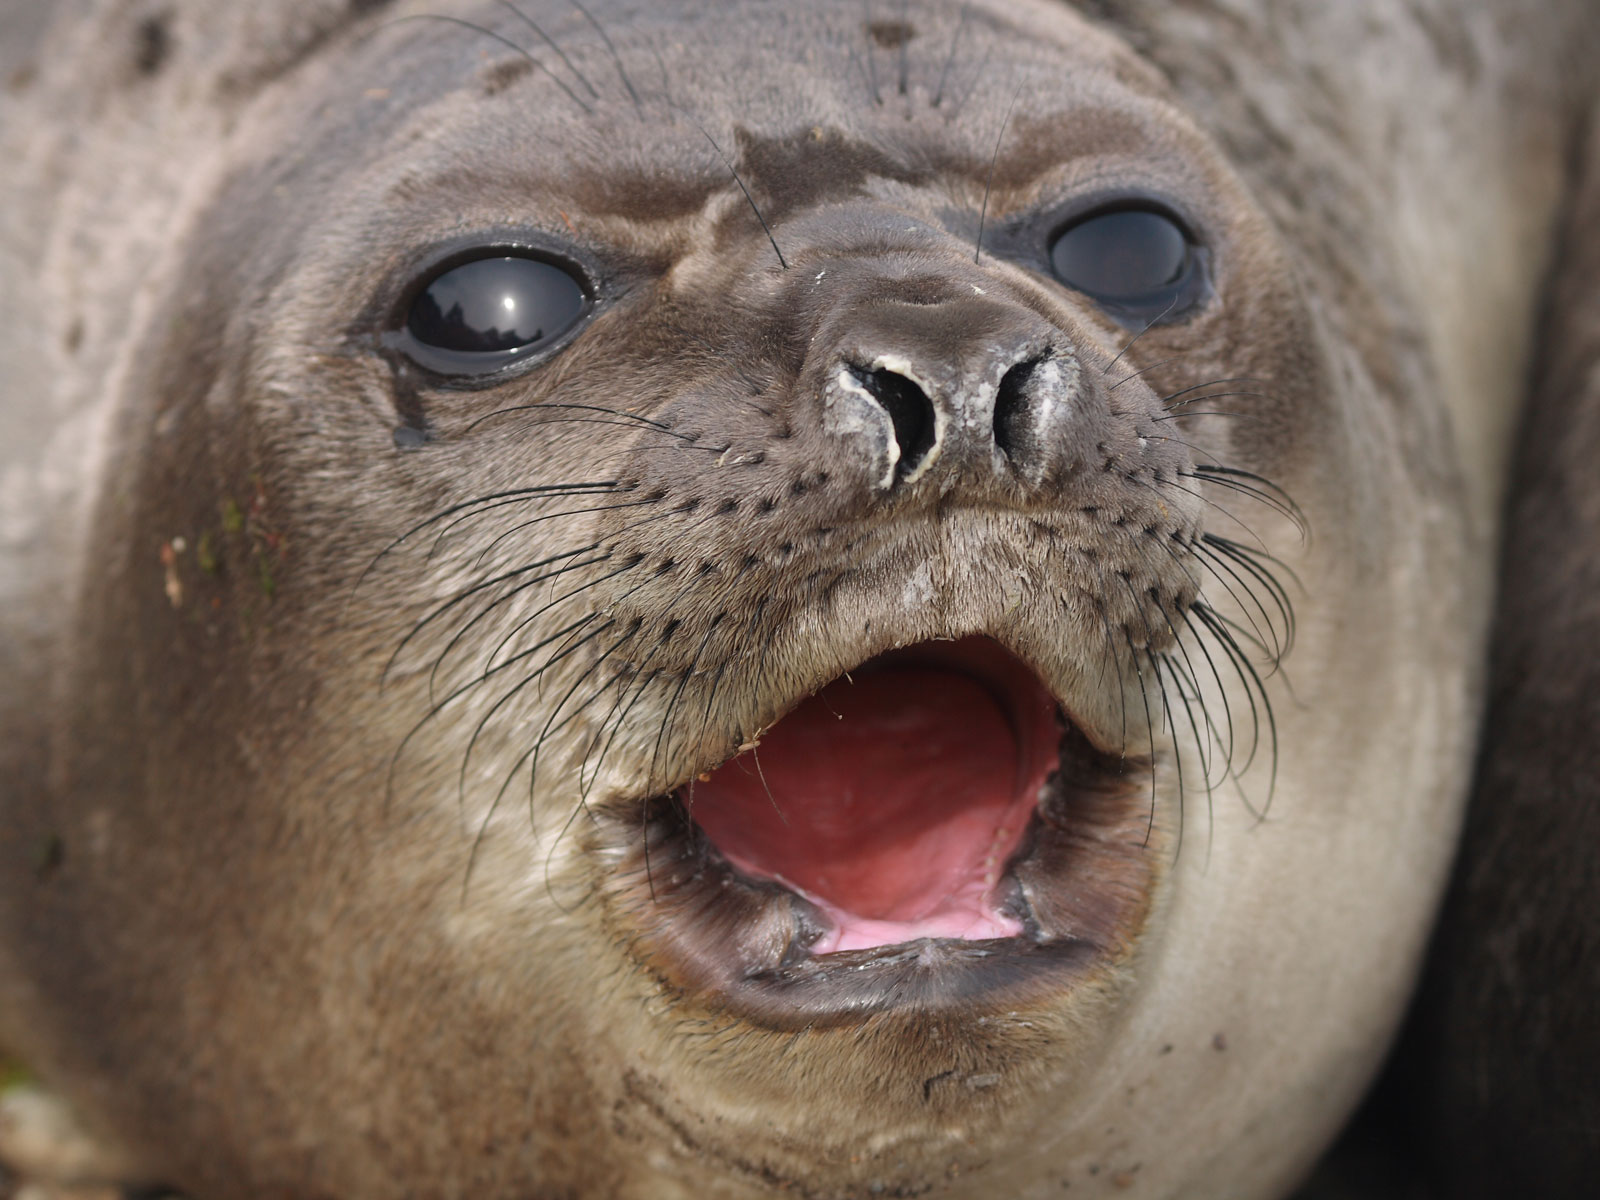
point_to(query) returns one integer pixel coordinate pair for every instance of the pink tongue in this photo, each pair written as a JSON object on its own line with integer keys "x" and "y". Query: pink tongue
{"x": 893, "y": 803}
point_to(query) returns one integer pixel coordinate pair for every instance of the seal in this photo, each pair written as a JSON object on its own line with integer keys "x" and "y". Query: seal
{"x": 1503, "y": 1038}
{"x": 666, "y": 600}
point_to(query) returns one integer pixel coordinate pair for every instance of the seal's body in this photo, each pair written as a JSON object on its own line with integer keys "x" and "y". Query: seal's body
{"x": 528, "y": 511}
{"x": 1506, "y": 1051}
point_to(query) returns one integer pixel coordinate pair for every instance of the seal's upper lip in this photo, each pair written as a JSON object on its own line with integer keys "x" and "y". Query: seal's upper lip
{"x": 928, "y": 827}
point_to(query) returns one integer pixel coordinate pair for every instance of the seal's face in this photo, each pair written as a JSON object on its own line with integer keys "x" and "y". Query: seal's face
{"x": 733, "y": 638}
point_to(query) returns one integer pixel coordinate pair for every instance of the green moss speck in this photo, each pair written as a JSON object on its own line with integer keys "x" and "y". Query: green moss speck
{"x": 13, "y": 1074}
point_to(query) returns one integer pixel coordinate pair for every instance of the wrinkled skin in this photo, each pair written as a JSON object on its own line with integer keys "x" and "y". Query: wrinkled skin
{"x": 280, "y": 923}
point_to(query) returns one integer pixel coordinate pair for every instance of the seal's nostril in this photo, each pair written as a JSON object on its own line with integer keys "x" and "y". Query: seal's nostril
{"x": 1012, "y": 431}
{"x": 909, "y": 409}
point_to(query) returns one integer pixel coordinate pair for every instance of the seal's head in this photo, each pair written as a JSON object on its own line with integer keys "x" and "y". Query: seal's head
{"x": 702, "y": 614}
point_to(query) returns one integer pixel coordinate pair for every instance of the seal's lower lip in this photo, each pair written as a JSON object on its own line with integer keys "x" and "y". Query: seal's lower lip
{"x": 926, "y": 828}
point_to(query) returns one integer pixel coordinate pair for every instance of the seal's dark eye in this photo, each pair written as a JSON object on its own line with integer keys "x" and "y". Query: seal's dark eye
{"x": 486, "y": 314}
{"x": 1136, "y": 263}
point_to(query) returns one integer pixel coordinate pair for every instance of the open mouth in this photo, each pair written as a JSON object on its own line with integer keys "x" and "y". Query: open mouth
{"x": 927, "y": 825}
{"x": 895, "y": 798}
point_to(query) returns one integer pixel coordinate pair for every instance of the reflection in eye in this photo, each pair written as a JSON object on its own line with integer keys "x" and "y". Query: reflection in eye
{"x": 1133, "y": 262}
{"x": 483, "y": 315}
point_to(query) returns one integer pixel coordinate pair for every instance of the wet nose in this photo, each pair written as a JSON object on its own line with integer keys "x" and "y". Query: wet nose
{"x": 965, "y": 391}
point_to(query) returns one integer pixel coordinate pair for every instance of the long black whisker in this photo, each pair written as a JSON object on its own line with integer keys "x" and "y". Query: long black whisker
{"x": 510, "y": 694}
{"x": 1248, "y": 561}
{"x": 1214, "y": 734}
{"x": 1167, "y": 709}
{"x": 872, "y": 61}
{"x": 582, "y": 806}
{"x": 571, "y": 512}
{"x": 463, "y": 596}
{"x": 1105, "y": 624}
{"x": 622, "y": 718}
{"x": 460, "y": 520}
{"x": 436, "y": 709}
{"x": 955, "y": 42}
{"x": 1244, "y": 489}
{"x": 628, "y": 672}
{"x": 994, "y": 160}
{"x": 1122, "y": 687}
{"x": 488, "y": 817}
{"x": 1151, "y": 324}
{"x": 551, "y": 725}
{"x": 1182, "y": 411}
{"x": 1214, "y": 564}
{"x": 905, "y": 45}
{"x": 489, "y": 663}
{"x": 690, "y": 443}
{"x": 615, "y": 57}
{"x": 1205, "y": 499}
{"x": 1203, "y": 748}
{"x": 1230, "y": 742}
{"x": 504, "y": 41}
{"x": 1175, "y": 410}
{"x": 1166, "y": 401}
{"x": 1160, "y": 362}
{"x": 599, "y": 488}
{"x": 1229, "y": 772}
{"x": 1150, "y": 731}
{"x": 672, "y": 705}
{"x": 749, "y": 199}
{"x": 533, "y": 753}
{"x": 633, "y": 561}
{"x": 1265, "y": 650}
{"x": 549, "y": 41}
{"x": 1260, "y": 481}
{"x": 1253, "y": 553}
{"x": 1177, "y": 752}
{"x": 1234, "y": 656}
{"x": 711, "y": 692}
{"x": 1269, "y": 638}
{"x": 483, "y": 613}
{"x": 1242, "y": 663}
{"x": 1219, "y": 414}
{"x": 546, "y": 405}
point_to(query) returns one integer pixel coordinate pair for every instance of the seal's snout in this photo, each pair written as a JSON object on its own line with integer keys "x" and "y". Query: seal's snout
{"x": 966, "y": 393}
{"x": 917, "y": 410}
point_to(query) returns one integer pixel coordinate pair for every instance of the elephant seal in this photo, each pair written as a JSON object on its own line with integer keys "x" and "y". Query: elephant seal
{"x": 665, "y": 600}
{"x": 1504, "y": 1052}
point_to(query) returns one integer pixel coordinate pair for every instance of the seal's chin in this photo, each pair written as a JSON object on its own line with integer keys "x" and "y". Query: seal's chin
{"x": 927, "y": 828}
{"x": 895, "y": 798}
